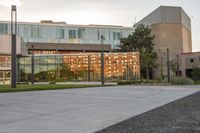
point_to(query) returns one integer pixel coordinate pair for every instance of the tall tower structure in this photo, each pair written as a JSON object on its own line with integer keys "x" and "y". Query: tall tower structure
{"x": 172, "y": 29}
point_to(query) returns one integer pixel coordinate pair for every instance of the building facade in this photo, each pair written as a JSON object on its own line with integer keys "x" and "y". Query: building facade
{"x": 60, "y": 46}
{"x": 72, "y": 67}
{"x": 60, "y": 62}
{"x": 48, "y": 32}
{"x": 172, "y": 29}
{"x": 80, "y": 67}
{"x": 188, "y": 63}
{"x": 57, "y": 41}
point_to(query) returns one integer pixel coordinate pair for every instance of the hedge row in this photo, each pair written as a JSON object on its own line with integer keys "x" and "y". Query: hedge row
{"x": 182, "y": 81}
{"x": 137, "y": 82}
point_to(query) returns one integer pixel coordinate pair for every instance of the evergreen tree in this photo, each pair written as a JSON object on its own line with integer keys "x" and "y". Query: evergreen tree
{"x": 141, "y": 41}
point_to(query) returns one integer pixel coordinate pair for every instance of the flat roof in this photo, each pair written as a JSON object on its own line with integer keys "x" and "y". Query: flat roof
{"x": 197, "y": 52}
{"x": 86, "y": 53}
{"x": 74, "y": 25}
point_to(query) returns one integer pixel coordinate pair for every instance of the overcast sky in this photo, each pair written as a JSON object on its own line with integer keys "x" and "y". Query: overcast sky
{"x": 112, "y": 12}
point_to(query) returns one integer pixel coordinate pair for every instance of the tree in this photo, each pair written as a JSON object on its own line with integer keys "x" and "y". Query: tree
{"x": 65, "y": 73}
{"x": 195, "y": 73}
{"x": 141, "y": 40}
{"x": 173, "y": 66}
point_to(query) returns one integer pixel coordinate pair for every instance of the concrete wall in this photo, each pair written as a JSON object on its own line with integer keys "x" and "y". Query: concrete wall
{"x": 173, "y": 36}
{"x": 186, "y": 21}
{"x": 186, "y": 61}
{"x": 167, "y": 15}
{"x": 171, "y": 15}
{"x": 172, "y": 29}
{"x": 5, "y": 46}
{"x": 186, "y": 40}
{"x": 167, "y": 36}
{"x": 153, "y": 18}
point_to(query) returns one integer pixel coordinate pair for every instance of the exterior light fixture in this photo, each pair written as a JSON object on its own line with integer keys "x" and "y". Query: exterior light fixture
{"x": 13, "y": 49}
{"x": 102, "y": 60}
{"x": 168, "y": 66}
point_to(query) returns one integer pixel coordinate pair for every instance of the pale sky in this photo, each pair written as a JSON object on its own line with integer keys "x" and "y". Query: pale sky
{"x": 110, "y": 12}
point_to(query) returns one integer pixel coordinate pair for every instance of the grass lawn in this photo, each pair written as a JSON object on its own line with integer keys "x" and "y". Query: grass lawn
{"x": 20, "y": 88}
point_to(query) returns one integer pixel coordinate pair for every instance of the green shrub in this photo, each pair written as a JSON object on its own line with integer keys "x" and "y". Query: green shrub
{"x": 197, "y": 82}
{"x": 122, "y": 83}
{"x": 150, "y": 81}
{"x": 181, "y": 81}
{"x": 136, "y": 82}
{"x": 52, "y": 82}
{"x": 23, "y": 83}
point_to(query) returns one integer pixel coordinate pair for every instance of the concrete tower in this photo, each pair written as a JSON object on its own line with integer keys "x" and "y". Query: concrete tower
{"x": 172, "y": 29}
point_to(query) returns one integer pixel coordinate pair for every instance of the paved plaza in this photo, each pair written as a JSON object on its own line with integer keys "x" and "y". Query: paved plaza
{"x": 82, "y": 110}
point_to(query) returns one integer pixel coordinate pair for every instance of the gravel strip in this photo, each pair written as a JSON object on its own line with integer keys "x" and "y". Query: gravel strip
{"x": 181, "y": 116}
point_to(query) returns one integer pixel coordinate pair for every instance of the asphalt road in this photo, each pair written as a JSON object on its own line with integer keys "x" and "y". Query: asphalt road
{"x": 82, "y": 110}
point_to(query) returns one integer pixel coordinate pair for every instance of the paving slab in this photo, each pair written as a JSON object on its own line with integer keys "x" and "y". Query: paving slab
{"x": 82, "y": 110}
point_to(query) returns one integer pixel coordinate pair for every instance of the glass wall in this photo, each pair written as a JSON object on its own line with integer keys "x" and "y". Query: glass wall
{"x": 34, "y": 31}
{"x": 5, "y": 67}
{"x": 5, "y": 77}
{"x": 5, "y": 61}
{"x": 116, "y": 35}
{"x": 3, "y": 28}
{"x": 64, "y": 33}
{"x": 72, "y": 33}
{"x": 46, "y": 68}
{"x": 80, "y": 67}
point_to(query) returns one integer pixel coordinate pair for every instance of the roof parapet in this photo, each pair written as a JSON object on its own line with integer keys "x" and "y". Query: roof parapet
{"x": 51, "y": 22}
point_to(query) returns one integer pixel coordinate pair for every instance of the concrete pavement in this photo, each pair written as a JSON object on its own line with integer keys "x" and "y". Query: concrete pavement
{"x": 81, "y": 110}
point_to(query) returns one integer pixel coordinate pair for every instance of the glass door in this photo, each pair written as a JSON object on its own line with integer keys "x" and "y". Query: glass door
{"x": 5, "y": 77}
{"x": 1, "y": 77}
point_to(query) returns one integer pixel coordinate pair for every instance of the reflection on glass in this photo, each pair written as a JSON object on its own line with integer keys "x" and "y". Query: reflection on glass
{"x": 118, "y": 66}
{"x": 43, "y": 59}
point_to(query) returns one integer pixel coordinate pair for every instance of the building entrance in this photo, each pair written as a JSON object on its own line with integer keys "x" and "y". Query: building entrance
{"x": 5, "y": 76}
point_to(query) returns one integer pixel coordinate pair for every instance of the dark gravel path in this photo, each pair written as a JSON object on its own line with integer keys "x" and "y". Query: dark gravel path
{"x": 181, "y": 116}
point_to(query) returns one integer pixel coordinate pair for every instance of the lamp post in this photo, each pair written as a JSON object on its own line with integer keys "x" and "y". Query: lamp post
{"x": 178, "y": 71}
{"x": 168, "y": 66}
{"x": 161, "y": 63}
{"x": 13, "y": 40}
{"x": 102, "y": 60}
{"x": 32, "y": 65}
{"x": 162, "y": 56}
{"x": 89, "y": 63}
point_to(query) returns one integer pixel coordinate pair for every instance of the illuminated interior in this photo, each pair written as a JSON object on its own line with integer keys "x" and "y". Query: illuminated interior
{"x": 80, "y": 67}
{"x": 5, "y": 70}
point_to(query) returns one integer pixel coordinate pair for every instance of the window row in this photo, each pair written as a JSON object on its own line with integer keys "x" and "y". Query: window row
{"x": 54, "y": 32}
{"x": 192, "y": 60}
{"x": 60, "y": 33}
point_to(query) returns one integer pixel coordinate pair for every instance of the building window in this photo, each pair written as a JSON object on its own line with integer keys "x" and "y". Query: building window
{"x": 34, "y": 32}
{"x": 80, "y": 33}
{"x": 191, "y": 60}
{"x": 116, "y": 35}
{"x": 25, "y": 32}
{"x": 72, "y": 33}
{"x": 3, "y": 28}
{"x": 98, "y": 35}
{"x": 60, "y": 33}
